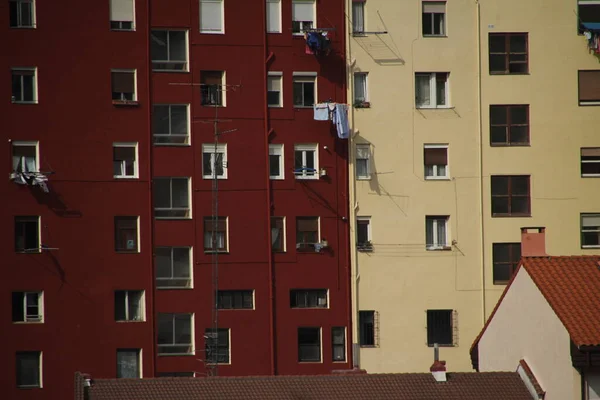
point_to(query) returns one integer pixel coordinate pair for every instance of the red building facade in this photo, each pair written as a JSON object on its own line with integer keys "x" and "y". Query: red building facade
{"x": 112, "y": 271}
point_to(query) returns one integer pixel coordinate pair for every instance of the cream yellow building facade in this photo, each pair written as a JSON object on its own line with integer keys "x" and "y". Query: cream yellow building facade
{"x": 433, "y": 246}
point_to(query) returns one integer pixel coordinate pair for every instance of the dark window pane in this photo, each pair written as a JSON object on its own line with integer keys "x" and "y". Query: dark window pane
{"x": 518, "y": 43}
{"x": 28, "y": 88}
{"x": 520, "y": 185}
{"x": 274, "y": 165}
{"x": 309, "y": 94}
{"x": 519, "y": 134}
{"x": 518, "y": 115}
{"x": 439, "y": 327}
{"x": 120, "y": 306}
{"x": 591, "y": 238}
{"x": 497, "y": 43}
{"x": 497, "y": 63}
{"x": 498, "y": 115}
{"x": 517, "y": 68}
{"x": 590, "y": 168}
{"x": 18, "y": 311}
{"x": 519, "y": 205}
{"x": 298, "y": 95}
{"x": 499, "y": 134}
{"x": 367, "y": 327}
{"x": 499, "y": 185}
{"x": 427, "y": 24}
{"x": 273, "y": 98}
{"x": 158, "y": 45}
{"x": 500, "y": 252}
{"x": 502, "y": 272}
{"x": 500, "y": 205}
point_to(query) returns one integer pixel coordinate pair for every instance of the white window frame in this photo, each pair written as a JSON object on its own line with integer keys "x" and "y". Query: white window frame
{"x": 313, "y": 23}
{"x": 433, "y": 90}
{"x": 278, "y": 2}
{"x": 186, "y": 213}
{"x": 142, "y": 306}
{"x": 185, "y": 63}
{"x": 204, "y": 232}
{"x": 118, "y": 26}
{"x": 138, "y": 362}
{"x": 284, "y": 234}
{"x": 320, "y": 361}
{"x": 135, "y": 86}
{"x": 187, "y": 137}
{"x": 435, "y": 171}
{"x": 190, "y": 280}
{"x": 444, "y": 22}
{"x": 305, "y": 77}
{"x": 369, "y": 233}
{"x": 40, "y": 370}
{"x": 345, "y": 330}
{"x": 298, "y": 243}
{"x": 221, "y": 90}
{"x": 210, "y": 148}
{"x": 273, "y": 75}
{"x": 277, "y": 150}
{"x": 135, "y": 175}
{"x": 137, "y": 228}
{"x": 303, "y": 174}
{"x": 367, "y": 147}
{"x": 35, "y": 93}
{"x": 32, "y": 319}
{"x": 29, "y": 218}
{"x": 213, "y": 31}
{"x": 436, "y": 245}
{"x": 307, "y": 292}
{"x": 191, "y": 345}
{"x": 355, "y": 21}
{"x": 363, "y": 81}
{"x": 596, "y": 161}
{"x": 583, "y": 230}
{"x": 19, "y": 24}
{"x": 23, "y": 159}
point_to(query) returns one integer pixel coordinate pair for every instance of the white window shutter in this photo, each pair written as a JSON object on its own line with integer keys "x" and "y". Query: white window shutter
{"x": 274, "y": 84}
{"x": 273, "y": 15}
{"x": 121, "y": 10}
{"x": 303, "y": 11}
{"x": 211, "y": 18}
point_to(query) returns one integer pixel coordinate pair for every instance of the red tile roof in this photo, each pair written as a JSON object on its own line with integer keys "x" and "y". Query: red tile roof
{"x": 532, "y": 379}
{"x": 460, "y": 386}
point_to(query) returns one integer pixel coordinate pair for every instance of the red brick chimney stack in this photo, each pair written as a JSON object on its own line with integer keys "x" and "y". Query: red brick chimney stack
{"x": 533, "y": 242}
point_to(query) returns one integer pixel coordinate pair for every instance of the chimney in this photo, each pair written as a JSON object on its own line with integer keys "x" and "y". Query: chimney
{"x": 533, "y": 242}
{"x": 438, "y": 368}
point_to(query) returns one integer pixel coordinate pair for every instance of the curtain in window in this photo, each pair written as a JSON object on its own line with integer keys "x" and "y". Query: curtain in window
{"x": 273, "y": 16}
{"x": 121, "y": 10}
{"x": 127, "y": 362}
{"x": 210, "y": 16}
{"x": 441, "y": 232}
{"x": 429, "y": 232}
{"x": 422, "y": 88}
{"x": 360, "y": 87}
{"x": 358, "y": 17}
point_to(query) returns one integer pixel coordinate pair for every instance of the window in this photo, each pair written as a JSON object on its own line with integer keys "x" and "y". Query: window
{"x": 129, "y": 305}
{"x": 211, "y": 88}
{"x": 306, "y": 161}
{"x": 360, "y": 87}
{"x": 122, "y": 15}
{"x": 126, "y": 234}
{"x": 278, "y": 234}
{"x": 440, "y": 327}
{"x": 27, "y": 234}
{"x": 508, "y": 53}
{"x": 170, "y": 124}
{"x": 363, "y": 234}
{"x": 434, "y": 18}
{"x": 506, "y": 257}
{"x": 308, "y": 298}
{"x": 129, "y": 363}
{"x": 123, "y": 86}
{"x": 368, "y": 327}
{"x": 214, "y": 161}
{"x": 173, "y": 267}
{"x": 304, "y": 90}
{"x": 169, "y": 50}
{"x": 358, "y": 17}
{"x": 436, "y": 232}
{"x": 590, "y": 161}
{"x": 24, "y": 85}
{"x": 588, "y": 12}
{"x": 27, "y": 307}
{"x": 29, "y": 369}
{"x": 172, "y": 198}
{"x": 273, "y": 16}
{"x": 175, "y": 334}
{"x": 589, "y": 87}
{"x": 436, "y": 161}
{"x": 235, "y": 300}
{"x": 309, "y": 344}
{"x": 307, "y": 233}
{"x": 591, "y": 384}
{"x": 590, "y": 230}
{"x": 432, "y": 90}
{"x": 338, "y": 343}
{"x": 363, "y": 161}
{"x": 217, "y": 346}
{"x": 274, "y": 97}
{"x": 212, "y": 16}
{"x": 22, "y": 13}
{"x": 25, "y": 157}
{"x": 510, "y": 196}
{"x": 303, "y": 16}
{"x": 276, "y": 161}
{"x": 125, "y": 160}
{"x": 215, "y": 234}
{"x": 509, "y": 125}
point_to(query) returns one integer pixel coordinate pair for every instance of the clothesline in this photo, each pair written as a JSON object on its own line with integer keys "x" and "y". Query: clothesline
{"x": 337, "y": 113}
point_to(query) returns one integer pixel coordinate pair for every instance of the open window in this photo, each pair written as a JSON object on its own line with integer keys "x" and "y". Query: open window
{"x": 122, "y": 15}
{"x": 24, "y": 85}
{"x": 169, "y": 50}
{"x": 22, "y": 13}
{"x": 126, "y": 234}
{"x": 123, "y": 86}
{"x": 588, "y": 15}
{"x": 303, "y": 15}
{"x": 212, "y": 88}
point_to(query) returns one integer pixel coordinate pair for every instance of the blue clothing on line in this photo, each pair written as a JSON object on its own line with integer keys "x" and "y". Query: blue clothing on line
{"x": 321, "y": 112}
{"x": 340, "y": 119}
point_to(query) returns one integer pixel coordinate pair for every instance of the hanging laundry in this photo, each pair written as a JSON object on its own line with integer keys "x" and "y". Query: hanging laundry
{"x": 321, "y": 112}
{"x": 340, "y": 119}
{"x": 591, "y": 31}
{"x": 31, "y": 179}
{"x": 317, "y": 43}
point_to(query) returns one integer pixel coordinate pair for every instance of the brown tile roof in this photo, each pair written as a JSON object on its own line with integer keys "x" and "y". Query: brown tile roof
{"x": 571, "y": 285}
{"x": 460, "y": 386}
{"x": 532, "y": 379}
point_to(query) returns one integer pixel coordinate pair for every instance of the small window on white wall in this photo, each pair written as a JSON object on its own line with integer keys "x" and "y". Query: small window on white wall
{"x": 273, "y": 16}
{"x": 212, "y": 16}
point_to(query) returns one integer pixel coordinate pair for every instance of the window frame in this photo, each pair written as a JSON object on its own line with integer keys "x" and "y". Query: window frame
{"x": 224, "y": 249}
{"x": 18, "y": 71}
{"x": 335, "y": 345}
{"x": 436, "y": 245}
{"x": 303, "y": 298}
{"x": 507, "y": 53}
{"x": 363, "y": 82}
{"x": 508, "y": 126}
{"x": 25, "y": 143}
{"x": 189, "y": 280}
{"x": 208, "y": 357}
{"x": 174, "y": 343}
{"x": 451, "y": 329}
{"x": 318, "y": 345}
{"x": 220, "y": 31}
{"x": 436, "y": 167}
{"x": 186, "y": 62}
{"x": 366, "y": 246}
{"x": 283, "y": 248}
{"x": 304, "y": 78}
{"x": 124, "y": 218}
{"x": 512, "y": 263}
{"x": 367, "y": 160}
{"x": 126, "y": 307}
{"x": 119, "y": 26}
{"x": 18, "y": 372}
{"x": 593, "y": 82}
{"x": 303, "y": 172}
{"x": 19, "y": 22}
{"x": 170, "y": 135}
{"x": 582, "y": 231}
{"x": 172, "y": 212}
{"x": 138, "y": 366}
{"x": 221, "y": 148}
{"x": 237, "y": 294}
{"x": 358, "y": 21}
{"x": 122, "y": 99}
{"x": 368, "y": 321}
{"x": 275, "y": 75}
{"x": 509, "y": 196}
{"x": 595, "y": 161}
{"x": 312, "y": 24}
{"x": 28, "y": 219}
{"x": 206, "y": 89}
{"x": 304, "y": 246}
{"x": 277, "y": 150}
{"x": 133, "y": 145}
{"x": 433, "y": 100}
{"x": 443, "y": 29}
{"x": 26, "y": 318}
{"x": 278, "y": 2}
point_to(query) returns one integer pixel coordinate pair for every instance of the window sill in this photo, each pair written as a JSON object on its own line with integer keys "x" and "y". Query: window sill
{"x": 511, "y": 215}
{"x": 307, "y": 178}
{"x": 237, "y": 309}
{"x": 434, "y": 36}
{"x": 276, "y": 178}
{"x": 591, "y": 247}
{"x": 309, "y": 308}
{"x": 123, "y": 30}
{"x": 174, "y": 218}
{"x": 590, "y": 175}
{"x": 178, "y": 71}
{"x": 176, "y": 354}
{"x": 310, "y": 362}
{"x": 171, "y": 144}
{"x": 368, "y": 346}
{"x": 275, "y": 106}
{"x": 36, "y": 251}
{"x": 174, "y": 288}
{"x": 510, "y": 144}
{"x": 29, "y": 387}
{"x": 365, "y": 249}
{"x": 438, "y": 248}
{"x": 24, "y": 102}
{"x": 211, "y": 32}
{"x": 213, "y": 105}
{"x": 435, "y": 107}
{"x": 442, "y": 345}
{"x": 207, "y": 177}
{"x": 216, "y": 252}
{"x": 28, "y": 322}
{"x": 589, "y": 103}
{"x": 509, "y": 73}
{"x": 363, "y": 178}
{"x": 125, "y": 103}
{"x": 23, "y": 27}
{"x": 125, "y": 177}
{"x": 298, "y": 107}
{"x": 276, "y": 32}
{"x": 437, "y": 178}
{"x": 129, "y": 321}
{"x": 498, "y": 283}
{"x": 127, "y": 251}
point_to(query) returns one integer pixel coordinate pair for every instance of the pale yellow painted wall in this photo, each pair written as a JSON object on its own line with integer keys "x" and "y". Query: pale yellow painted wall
{"x": 526, "y": 327}
{"x": 400, "y": 279}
